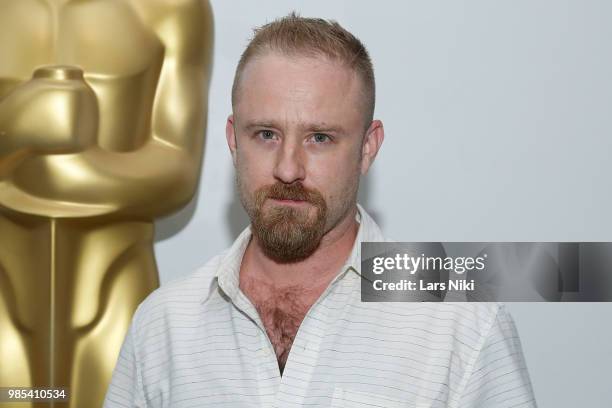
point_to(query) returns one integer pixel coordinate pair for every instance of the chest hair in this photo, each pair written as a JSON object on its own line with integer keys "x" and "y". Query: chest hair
{"x": 281, "y": 312}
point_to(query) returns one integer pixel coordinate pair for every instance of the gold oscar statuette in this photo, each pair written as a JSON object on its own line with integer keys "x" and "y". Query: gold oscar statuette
{"x": 102, "y": 122}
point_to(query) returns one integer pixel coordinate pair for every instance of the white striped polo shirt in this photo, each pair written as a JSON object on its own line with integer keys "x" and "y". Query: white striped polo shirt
{"x": 199, "y": 342}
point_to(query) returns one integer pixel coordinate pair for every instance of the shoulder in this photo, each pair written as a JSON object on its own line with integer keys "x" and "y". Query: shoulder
{"x": 178, "y": 296}
{"x": 476, "y": 317}
{"x": 470, "y": 326}
{"x": 470, "y": 321}
{"x": 462, "y": 326}
{"x": 466, "y": 328}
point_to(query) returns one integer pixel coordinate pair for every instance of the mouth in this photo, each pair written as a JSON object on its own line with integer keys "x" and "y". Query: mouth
{"x": 283, "y": 201}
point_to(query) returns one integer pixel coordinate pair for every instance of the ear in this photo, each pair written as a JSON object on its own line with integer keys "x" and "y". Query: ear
{"x": 371, "y": 143}
{"x": 230, "y": 135}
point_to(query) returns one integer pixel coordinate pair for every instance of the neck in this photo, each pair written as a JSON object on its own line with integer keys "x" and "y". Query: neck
{"x": 316, "y": 271}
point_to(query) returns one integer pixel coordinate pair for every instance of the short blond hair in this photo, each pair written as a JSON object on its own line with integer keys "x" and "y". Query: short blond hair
{"x": 312, "y": 37}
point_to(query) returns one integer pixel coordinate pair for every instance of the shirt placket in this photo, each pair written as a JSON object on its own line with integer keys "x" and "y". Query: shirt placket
{"x": 267, "y": 366}
{"x": 304, "y": 354}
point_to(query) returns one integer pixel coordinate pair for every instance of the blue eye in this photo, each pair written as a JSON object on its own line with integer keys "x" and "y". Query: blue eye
{"x": 266, "y": 134}
{"x": 320, "y": 138}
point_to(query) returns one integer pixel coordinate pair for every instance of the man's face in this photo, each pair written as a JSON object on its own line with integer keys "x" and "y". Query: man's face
{"x": 297, "y": 138}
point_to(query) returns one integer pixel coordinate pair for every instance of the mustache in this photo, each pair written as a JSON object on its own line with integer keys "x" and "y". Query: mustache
{"x": 294, "y": 191}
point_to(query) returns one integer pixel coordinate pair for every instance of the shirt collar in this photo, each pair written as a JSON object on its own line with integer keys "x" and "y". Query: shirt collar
{"x": 227, "y": 276}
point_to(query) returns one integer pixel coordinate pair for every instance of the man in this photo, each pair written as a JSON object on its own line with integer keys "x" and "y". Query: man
{"x": 277, "y": 321}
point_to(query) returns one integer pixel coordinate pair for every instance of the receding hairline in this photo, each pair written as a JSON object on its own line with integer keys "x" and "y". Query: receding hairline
{"x": 295, "y": 36}
{"x": 314, "y": 56}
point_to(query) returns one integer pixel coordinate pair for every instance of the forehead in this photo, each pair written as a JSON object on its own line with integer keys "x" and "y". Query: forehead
{"x": 283, "y": 87}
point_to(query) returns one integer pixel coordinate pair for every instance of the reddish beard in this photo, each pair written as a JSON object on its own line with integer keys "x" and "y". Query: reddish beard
{"x": 287, "y": 233}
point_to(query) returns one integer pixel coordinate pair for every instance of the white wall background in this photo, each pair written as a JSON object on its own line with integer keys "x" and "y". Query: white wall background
{"x": 497, "y": 118}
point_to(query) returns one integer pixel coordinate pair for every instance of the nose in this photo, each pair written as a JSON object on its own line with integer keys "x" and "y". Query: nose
{"x": 289, "y": 166}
